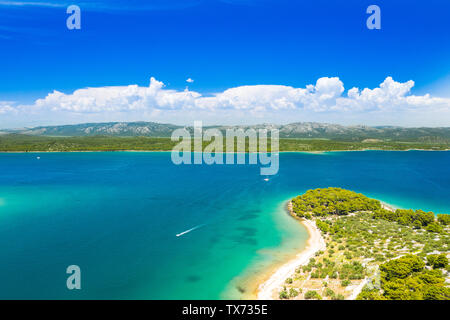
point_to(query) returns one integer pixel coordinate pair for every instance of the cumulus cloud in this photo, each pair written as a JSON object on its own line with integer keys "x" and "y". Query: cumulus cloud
{"x": 119, "y": 99}
{"x": 324, "y": 100}
{"x": 6, "y": 107}
{"x": 189, "y": 80}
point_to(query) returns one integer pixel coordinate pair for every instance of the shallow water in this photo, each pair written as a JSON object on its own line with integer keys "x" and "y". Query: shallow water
{"x": 116, "y": 215}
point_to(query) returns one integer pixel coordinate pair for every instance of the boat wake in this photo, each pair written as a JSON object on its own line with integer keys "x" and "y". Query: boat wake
{"x": 187, "y": 231}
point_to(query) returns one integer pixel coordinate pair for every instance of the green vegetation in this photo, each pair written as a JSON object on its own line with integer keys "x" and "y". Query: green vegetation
{"x": 321, "y": 202}
{"x": 293, "y": 293}
{"x": 284, "y": 294}
{"x": 416, "y": 219}
{"x": 341, "y": 145}
{"x": 400, "y": 254}
{"x": 406, "y": 278}
{"x": 337, "y": 201}
{"x": 312, "y": 295}
{"x": 444, "y": 219}
{"x": 24, "y": 143}
{"x": 437, "y": 261}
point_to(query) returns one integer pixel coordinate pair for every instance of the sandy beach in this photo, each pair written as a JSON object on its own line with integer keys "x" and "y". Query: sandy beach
{"x": 270, "y": 288}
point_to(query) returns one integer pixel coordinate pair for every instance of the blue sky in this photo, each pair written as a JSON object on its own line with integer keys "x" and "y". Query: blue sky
{"x": 220, "y": 45}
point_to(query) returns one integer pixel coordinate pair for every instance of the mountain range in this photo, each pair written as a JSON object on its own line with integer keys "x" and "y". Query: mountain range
{"x": 305, "y": 130}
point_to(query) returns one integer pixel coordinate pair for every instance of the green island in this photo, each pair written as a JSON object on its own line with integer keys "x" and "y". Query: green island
{"x": 35, "y": 143}
{"x": 373, "y": 252}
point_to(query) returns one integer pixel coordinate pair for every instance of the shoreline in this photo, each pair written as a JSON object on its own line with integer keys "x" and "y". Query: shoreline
{"x": 269, "y": 288}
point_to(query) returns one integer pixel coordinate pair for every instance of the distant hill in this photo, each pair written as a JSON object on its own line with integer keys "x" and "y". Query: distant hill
{"x": 305, "y": 130}
{"x": 117, "y": 129}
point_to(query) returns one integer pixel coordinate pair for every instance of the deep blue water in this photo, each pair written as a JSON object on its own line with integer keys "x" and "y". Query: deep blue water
{"x": 116, "y": 216}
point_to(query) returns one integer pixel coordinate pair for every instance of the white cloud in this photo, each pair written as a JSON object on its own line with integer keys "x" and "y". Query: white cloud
{"x": 32, "y": 3}
{"x": 189, "y": 80}
{"x": 6, "y": 107}
{"x": 106, "y": 4}
{"x": 391, "y": 103}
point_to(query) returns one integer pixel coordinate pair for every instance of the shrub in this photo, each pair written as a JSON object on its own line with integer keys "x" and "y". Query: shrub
{"x": 329, "y": 293}
{"x": 345, "y": 283}
{"x": 401, "y": 267}
{"x": 284, "y": 294}
{"x": 437, "y": 261}
{"x": 312, "y": 295}
{"x": 417, "y": 224}
{"x": 434, "y": 227}
{"x": 437, "y": 293}
{"x": 293, "y": 293}
{"x": 444, "y": 219}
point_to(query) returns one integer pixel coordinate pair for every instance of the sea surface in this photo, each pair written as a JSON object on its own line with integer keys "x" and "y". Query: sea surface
{"x": 117, "y": 216}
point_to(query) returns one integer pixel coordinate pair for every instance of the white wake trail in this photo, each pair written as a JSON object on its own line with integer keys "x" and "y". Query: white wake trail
{"x": 187, "y": 231}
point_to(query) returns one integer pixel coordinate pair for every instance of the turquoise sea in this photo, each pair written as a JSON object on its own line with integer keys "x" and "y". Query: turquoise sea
{"x": 116, "y": 215}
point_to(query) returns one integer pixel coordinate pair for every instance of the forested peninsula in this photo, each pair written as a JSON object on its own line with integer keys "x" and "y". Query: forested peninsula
{"x": 372, "y": 251}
